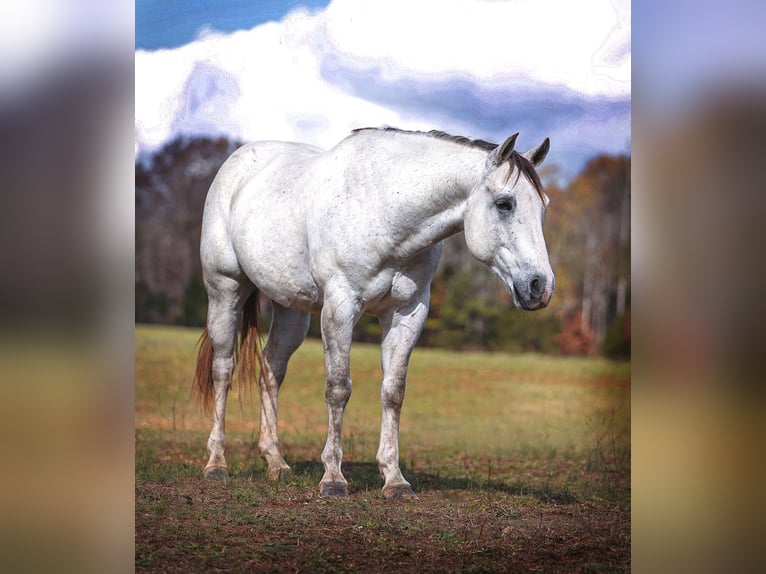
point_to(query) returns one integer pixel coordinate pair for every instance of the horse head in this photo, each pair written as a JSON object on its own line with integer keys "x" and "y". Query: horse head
{"x": 504, "y": 223}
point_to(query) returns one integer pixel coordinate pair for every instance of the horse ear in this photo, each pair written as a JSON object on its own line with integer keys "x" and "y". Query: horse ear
{"x": 503, "y": 152}
{"x": 537, "y": 155}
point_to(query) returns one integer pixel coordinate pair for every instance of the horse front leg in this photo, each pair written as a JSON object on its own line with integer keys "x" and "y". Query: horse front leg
{"x": 338, "y": 318}
{"x": 401, "y": 329}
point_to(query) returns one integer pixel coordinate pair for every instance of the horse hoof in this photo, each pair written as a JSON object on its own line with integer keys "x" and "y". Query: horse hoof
{"x": 399, "y": 492}
{"x": 279, "y": 474}
{"x": 333, "y": 489}
{"x": 216, "y": 473}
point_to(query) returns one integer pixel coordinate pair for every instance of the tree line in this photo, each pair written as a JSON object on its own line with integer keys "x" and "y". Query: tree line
{"x": 587, "y": 229}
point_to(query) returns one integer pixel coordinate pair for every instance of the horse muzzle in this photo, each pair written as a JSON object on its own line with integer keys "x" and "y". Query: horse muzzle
{"x": 534, "y": 292}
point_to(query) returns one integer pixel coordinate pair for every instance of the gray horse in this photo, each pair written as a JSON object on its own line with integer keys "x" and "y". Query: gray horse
{"x": 356, "y": 229}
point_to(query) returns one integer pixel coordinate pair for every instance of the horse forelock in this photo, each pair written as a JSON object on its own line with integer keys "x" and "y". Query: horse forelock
{"x": 527, "y": 169}
{"x": 521, "y": 164}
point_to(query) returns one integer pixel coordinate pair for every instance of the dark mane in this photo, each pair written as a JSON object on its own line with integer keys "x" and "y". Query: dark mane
{"x": 522, "y": 164}
{"x": 462, "y": 140}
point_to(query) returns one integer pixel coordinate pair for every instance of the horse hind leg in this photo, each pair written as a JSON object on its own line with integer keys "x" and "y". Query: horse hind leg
{"x": 214, "y": 378}
{"x": 287, "y": 332}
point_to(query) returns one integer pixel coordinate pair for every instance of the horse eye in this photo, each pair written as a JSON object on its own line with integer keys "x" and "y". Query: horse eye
{"x": 505, "y": 204}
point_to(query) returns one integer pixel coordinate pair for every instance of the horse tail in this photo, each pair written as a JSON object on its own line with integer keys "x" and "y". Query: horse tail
{"x": 250, "y": 360}
{"x": 249, "y": 357}
{"x": 202, "y": 385}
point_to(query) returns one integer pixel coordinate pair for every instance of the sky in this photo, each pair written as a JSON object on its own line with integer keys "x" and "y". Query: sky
{"x": 312, "y": 72}
{"x": 172, "y": 23}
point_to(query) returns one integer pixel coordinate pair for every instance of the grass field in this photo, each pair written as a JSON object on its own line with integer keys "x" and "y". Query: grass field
{"x": 521, "y": 462}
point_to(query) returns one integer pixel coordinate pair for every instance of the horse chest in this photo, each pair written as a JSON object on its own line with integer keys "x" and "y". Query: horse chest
{"x": 386, "y": 289}
{"x": 397, "y": 286}
{"x": 409, "y": 280}
{"x": 403, "y": 287}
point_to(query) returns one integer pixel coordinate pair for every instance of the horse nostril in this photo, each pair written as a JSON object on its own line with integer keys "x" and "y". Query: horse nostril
{"x": 536, "y": 286}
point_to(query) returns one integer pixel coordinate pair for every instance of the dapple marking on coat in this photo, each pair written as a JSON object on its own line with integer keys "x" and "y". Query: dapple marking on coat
{"x": 355, "y": 229}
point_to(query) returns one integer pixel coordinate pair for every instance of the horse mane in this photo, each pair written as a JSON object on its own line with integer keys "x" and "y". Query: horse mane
{"x": 462, "y": 140}
{"x": 523, "y": 165}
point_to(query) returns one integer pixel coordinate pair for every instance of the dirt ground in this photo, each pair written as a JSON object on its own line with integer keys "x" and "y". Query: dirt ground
{"x": 254, "y": 525}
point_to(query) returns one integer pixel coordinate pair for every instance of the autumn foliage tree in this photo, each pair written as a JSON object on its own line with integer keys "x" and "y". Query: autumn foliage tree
{"x": 587, "y": 230}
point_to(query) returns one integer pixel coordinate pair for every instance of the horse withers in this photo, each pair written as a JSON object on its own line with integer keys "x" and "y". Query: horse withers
{"x": 352, "y": 230}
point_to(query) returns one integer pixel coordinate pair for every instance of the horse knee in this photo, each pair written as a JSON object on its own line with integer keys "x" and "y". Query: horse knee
{"x": 338, "y": 391}
{"x": 392, "y": 393}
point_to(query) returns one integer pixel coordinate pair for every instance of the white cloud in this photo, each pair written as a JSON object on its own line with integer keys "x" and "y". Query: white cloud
{"x": 314, "y": 76}
{"x": 555, "y": 42}
{"x": 263, "y": 83}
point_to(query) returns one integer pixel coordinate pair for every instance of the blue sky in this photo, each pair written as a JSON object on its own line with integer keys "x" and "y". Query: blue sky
{"x": 173, "y": 23}
{"x": 312, "y": 71}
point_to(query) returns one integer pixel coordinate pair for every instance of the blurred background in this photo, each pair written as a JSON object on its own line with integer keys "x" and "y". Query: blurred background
{"x": 676, "y": 279}
{"x": 66, "y": 295}
{"x": 198, "y": 98}
{"x": 587, "y": 231}
{"x": 698, "y": 286}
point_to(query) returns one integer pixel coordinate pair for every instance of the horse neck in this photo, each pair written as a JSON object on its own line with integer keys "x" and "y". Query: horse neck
{"x": 429, "y": 190}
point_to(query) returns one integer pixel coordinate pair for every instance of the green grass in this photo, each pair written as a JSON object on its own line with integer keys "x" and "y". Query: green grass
{"x": 496, "y": 445}
{"x": 462, "y": 411}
